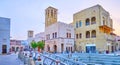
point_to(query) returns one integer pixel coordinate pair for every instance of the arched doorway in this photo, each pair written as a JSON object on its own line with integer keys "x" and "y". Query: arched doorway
{"x": 21, "y": 48}
{"x": 17, "y": 48}
{"x": 13, "y": 48}
{"x": 62, "y": 47}
{"x": 55, "y": 48}
{"x": 4, "y": 49}
{"x": 48, "y": 47}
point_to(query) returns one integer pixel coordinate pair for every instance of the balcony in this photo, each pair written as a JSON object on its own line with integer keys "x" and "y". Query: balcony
{"x": 105, "y": 29}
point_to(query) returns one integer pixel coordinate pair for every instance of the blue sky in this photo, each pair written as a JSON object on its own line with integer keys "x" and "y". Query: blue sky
{"x": 29, "y": 14}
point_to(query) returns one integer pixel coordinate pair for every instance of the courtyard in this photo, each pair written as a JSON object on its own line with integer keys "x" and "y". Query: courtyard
{"x": 11, "y": 59}
{"x": 75, "y": 58}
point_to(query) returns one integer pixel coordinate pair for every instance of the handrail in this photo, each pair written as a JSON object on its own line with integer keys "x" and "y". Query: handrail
{"x": 54, "y": 60}
{"x": 65, "y": 60}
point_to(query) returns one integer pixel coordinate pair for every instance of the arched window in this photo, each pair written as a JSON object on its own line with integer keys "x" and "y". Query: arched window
{"x": 80, "y": 35}
{"x": 87, "y": 21}
{"x": 93, "y": 34}
{"x": 103, "y": 21}
{"x": 87, "y": 34}
{"x": 76, "y": 24}
{"x": 93, "y": 20}
{"x": 80, "y": 23}
{"x": 55, "y": 34}
{"x": 76, "y": 36}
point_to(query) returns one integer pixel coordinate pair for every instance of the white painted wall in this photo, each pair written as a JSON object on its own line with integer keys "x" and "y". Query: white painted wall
{"x": 4, "y": 33}
{"x": 61, "y": 29}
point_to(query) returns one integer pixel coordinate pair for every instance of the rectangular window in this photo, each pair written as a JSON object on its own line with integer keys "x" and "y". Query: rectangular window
{"x": 55, "y": 34}
{"x": 69, "y": 35}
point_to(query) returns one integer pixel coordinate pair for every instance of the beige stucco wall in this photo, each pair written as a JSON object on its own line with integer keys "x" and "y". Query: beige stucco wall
{"x": 101, "y": 38}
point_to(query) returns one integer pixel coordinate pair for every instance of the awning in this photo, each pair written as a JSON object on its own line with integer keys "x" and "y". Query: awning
{"x": 90, "y": 45}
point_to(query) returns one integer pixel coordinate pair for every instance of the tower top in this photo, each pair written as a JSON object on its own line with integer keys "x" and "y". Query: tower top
{"x": 50, "y": 7}
{"x": 50, "y": 16}
{"x": 30, "y": 34}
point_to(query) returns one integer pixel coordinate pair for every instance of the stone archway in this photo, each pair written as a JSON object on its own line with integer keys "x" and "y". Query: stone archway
{"x": 55, "y": 48}
{"x": 13, "y": 48}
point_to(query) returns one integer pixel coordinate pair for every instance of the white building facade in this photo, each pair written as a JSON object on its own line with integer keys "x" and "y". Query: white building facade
{"x": 118, "y": 43}
{"x": 4, "y": 35}
{"x": 39, "y": 37}
{"x": 59, "y": 37}
{"x": 16, "y": 45}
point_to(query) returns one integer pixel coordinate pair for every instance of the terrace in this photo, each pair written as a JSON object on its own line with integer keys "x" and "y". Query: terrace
{"x": 79, "y": 59}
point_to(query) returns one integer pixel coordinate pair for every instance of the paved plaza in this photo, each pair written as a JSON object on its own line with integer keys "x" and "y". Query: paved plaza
{"x": 11, "y": 59}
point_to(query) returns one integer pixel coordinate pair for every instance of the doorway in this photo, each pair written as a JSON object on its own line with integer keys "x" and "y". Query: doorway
{"x": 55, "y": 48}
{"x": 71, "y": 49}
{"x": 62, "y": 47}
{"x": 17, "y": 49}
{"x": 48, "y": 47}
{"x": 90, "y": 48}
{"x": 4, "y": 49}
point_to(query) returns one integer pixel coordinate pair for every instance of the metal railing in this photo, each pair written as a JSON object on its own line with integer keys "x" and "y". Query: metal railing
{"x": 97, "y": 58}
{"x": 51, "y": 61}
{"x": 46, "y": 60}
{"x": 64, "y": 59}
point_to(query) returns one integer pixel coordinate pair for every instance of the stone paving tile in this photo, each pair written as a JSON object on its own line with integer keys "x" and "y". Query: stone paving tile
{"x": 11, "y": 59}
